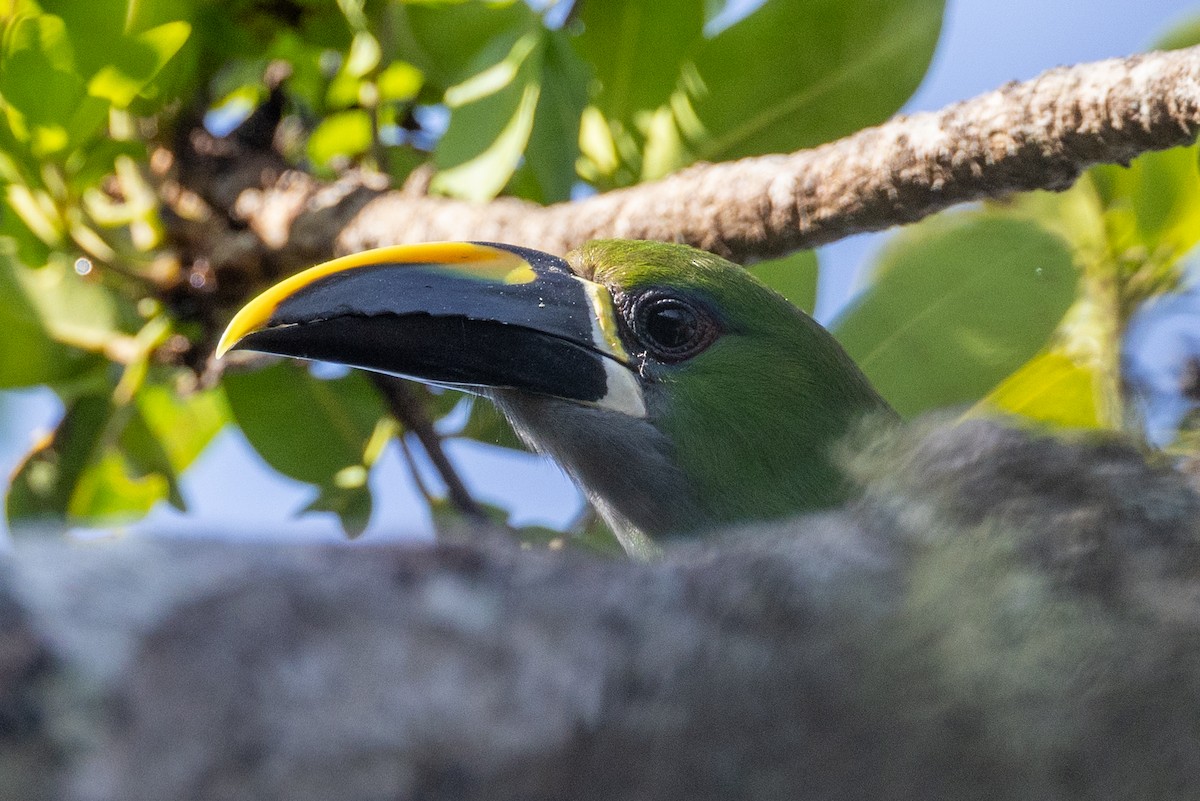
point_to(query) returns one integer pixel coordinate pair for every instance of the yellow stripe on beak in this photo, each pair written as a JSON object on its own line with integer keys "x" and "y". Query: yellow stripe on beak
{"x": 467, "y": 259}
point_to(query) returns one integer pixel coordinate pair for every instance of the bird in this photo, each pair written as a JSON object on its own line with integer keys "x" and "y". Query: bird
{"x": 679, "y": 392}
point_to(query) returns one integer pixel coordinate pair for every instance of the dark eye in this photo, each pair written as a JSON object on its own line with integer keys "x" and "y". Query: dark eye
{"x": 671, "y": 328}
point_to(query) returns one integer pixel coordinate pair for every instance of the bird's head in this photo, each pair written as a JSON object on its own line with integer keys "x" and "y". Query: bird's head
{"x": 680, "y": 392}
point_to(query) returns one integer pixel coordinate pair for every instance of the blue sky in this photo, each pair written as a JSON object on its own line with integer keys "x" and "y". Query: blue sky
{"x": 984, "y": 43}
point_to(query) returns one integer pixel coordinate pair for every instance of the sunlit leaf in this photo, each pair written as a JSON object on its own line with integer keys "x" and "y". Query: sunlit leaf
{"x": 108, "y": 493}
{"x": 135, "y": 60}
{"x": 32, "y": 354}
{"x": 956, "y": 306}
{"x": 73, "y": 309}
{"x": 492, "y": 115}
{"x": 182, "y": 425}
{"x": 345, "y": 134}
{"x": 1055, "y": 389}
{"x": 1157, "y": 197}
{"x": 792, "y": 75}
{"x": 399, "y": 82}
{"x": 42, "y": 92}
{"x": 364, "y": 55}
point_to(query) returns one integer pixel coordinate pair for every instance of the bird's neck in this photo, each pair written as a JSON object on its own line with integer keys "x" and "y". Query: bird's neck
{"x": 626, "y": 466}
{"x": 696, "y": 469}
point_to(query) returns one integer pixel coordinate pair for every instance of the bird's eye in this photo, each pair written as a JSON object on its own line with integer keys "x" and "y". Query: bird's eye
{"x": 671, "y": 328}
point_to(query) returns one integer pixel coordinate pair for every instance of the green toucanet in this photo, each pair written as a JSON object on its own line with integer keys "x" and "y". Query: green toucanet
{"x": 679, "y": 391}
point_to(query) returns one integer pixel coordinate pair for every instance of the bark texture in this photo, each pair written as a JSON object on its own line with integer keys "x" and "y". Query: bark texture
{"x": 1000, "y": 617}
{"x": 1039, "y": 134}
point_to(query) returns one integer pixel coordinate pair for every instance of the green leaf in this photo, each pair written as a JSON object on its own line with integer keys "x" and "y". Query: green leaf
{"x": 1154, "y": 202}
{"x": 1185, "y": 34}
{"x": 351, "y": 504}
{"x": 79, "y": 476}
{"x": 522, "y": 104}
{"x": 445, "y": 40}
{"x": 1055, "y": 389}
{"x": 304, "y": 427}
{"x": 42, "y": 485}
{"x": 957, "y": 305}
{"x": 637, "y": 49}
{"x": 345, "y": 134}
{"x": 42, "y": 91}
{"x": 796, "y": 74}
{"x": 183, "y": 424}
{"x": 794, "y": 277}
{"x": 135, "y": 60}
{"x": 399, "y": 82}
{"x": 31, "y": 354}
{"x": 492, "y": 115}
{"x": 109, "y": 494}
{"x": 73, "y": 309}
{"x": 554, "y": 140}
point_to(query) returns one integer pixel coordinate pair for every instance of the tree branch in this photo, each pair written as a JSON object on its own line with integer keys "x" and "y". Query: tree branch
{"x": 1002, "y": 616}
{"x": 1039, "y": 134}
{"x": 409, "y": 412}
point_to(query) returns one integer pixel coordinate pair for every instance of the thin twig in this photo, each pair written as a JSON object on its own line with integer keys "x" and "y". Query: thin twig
{"x": 410, "y": 413}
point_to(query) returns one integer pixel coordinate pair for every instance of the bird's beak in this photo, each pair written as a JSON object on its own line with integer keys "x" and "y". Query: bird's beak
{"x": 462, "y": 314}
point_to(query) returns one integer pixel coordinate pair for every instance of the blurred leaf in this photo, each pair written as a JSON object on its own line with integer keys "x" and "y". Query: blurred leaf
{"x": 1053, "y": 388}
{"x": 352, "y": 505}
{"x": 42, "y": 91}
{"x": 957, "y": 305}
{"x": 80, "y": 477}
{"x": 794, "y": 277}
{"x": 108, "y": 493}
{"x": 364, "y": 55}
{"x": 31, "y": 353}
{"x": 447, "y": 38}
{"x": 637, "y": 49}
{"x": 491, "y": 119}
{"x": 135, "y": 60}
{"x": 73, "y": 309}
{"x": 554, "y": 140}
{"x": 399, "y": 82}
{"x": 146, "y": 454}
{"x": 1185, "y": 34}
{"x": 344, "y": 134}
{"x": 796, "y": 74}
{"x": 184, "y": 425}
{"x": 1154, "y": 203}
{"x": 42, "y": 485}
{"x": 304, "y": 427}
{"x": 36, "y": 209}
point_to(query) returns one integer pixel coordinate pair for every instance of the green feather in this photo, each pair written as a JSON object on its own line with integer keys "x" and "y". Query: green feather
{"x": 753, "y": 420}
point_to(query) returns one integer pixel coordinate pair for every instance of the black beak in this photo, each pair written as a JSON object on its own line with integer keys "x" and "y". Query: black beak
{"x": 466, "y": 315}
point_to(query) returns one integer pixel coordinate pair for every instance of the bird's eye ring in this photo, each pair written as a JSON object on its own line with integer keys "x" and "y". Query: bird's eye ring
{"x": 671, "y": 328}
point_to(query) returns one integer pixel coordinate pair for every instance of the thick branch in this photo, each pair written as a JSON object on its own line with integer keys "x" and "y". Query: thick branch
{"x": 1002, "y": 617}
{"x": 1039, "y": 134}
